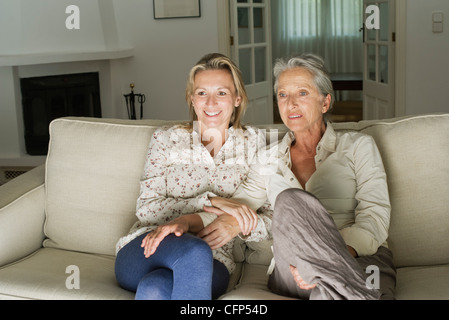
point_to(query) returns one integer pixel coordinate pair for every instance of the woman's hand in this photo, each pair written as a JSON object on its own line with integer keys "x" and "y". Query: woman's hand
{"x": 352, "y": 252}
{"x": 220, "y": 231}
{"x": 300, "y": 281}
{"x": 245, "y": 216}
{"x": 179, "y": 226}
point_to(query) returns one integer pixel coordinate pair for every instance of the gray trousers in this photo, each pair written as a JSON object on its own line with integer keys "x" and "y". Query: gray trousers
{"x": 305, "y": 236}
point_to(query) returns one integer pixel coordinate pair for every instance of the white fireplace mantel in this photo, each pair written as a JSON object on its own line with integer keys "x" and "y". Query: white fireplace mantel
{"x": 58, "y": 57}
{"x": 13, "y": 67}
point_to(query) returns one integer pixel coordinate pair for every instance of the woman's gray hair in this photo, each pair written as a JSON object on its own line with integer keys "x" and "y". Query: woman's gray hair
{"x": 315, "y": 65}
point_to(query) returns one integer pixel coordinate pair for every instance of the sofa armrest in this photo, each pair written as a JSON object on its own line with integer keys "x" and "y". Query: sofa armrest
{"x": 22, "y": 215}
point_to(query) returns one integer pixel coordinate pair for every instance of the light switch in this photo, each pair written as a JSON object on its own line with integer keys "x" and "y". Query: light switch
{"x": 437, "y": 17}
{"x": 437, "y": 27}
{"x": 437, "y": 22}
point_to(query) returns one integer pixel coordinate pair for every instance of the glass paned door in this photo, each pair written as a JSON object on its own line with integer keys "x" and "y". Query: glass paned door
{"x": 251, "y": 51}
{"x": 379, "y": 50}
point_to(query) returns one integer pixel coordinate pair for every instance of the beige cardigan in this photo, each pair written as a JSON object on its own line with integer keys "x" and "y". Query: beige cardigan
{"x": 349, "y": 180}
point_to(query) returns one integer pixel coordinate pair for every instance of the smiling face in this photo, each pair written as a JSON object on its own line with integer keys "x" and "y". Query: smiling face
{"x": 301, "y": 105}
{"x": 214, "y": 99}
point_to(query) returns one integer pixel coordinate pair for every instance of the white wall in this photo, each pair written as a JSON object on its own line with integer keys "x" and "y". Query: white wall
{"x": 11, "y": 142}
{"x": 164, "y": 51}
{"x": 427, "y": 60}
{"x": 30, "y": 26}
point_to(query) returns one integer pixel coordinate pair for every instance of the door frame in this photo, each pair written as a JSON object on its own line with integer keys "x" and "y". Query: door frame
{"x": 401, "y": 61}
{"x": 255, "y": 91}
{"x": 224, "y": 47}
{"x": 224, "y": 28}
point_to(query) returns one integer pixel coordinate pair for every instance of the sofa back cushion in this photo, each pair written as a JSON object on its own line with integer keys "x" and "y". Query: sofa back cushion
{"x": 93, "y": 171}
{"x": 415, "y": 152}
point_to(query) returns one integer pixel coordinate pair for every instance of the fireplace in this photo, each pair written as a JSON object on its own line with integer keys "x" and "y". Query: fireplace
{"x": 47, "y": 98}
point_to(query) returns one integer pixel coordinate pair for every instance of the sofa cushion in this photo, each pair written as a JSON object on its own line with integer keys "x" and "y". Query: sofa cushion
{"x": 415, "y": 154}
{"x": 50, "y": 274}
{"x": 423, "y": 283}
{"x": 259, "y": 252}
{"x": 92, "y": 182}
{"x": 253, "y": 285}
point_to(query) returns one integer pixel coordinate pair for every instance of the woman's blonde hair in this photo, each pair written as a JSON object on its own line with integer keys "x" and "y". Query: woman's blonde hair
{"x": 217, "y": 61}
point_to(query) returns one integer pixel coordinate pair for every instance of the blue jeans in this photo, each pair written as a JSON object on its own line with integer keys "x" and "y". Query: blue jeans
{"x": 182, "y": 268}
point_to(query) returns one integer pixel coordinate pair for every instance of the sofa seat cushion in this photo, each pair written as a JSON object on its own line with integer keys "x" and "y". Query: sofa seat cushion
{"x": 42, "y": 275}
{"x": 413, "y": 283}
{"x": 253, "y": 285}
{"x": 423, "y": 283}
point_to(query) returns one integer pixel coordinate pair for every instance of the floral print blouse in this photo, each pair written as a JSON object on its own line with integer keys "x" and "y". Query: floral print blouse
{"x": 180, "y": 174}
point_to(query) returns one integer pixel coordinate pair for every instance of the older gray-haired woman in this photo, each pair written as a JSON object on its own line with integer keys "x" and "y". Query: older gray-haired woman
{"x": 329, "y": 194}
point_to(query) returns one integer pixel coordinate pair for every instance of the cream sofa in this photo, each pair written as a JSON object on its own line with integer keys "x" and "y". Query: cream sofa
{"x": 59, "y": 223}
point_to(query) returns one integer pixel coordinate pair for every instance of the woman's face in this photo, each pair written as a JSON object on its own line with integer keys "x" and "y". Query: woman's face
{"x": 301, "y": 104}
{"x": 214, "y": 98}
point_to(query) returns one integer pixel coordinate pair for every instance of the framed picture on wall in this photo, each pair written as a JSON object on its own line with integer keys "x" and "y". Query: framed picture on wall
{"x": 169, "y": 9}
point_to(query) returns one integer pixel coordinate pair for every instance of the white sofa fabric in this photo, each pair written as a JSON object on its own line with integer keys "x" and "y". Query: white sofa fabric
{"x": 72, "y": 211}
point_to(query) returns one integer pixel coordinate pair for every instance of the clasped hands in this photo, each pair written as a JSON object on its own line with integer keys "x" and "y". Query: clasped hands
{"x": 233, "y": 218}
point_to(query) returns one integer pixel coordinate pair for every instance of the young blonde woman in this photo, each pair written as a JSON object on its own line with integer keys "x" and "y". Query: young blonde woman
{"x": 162, "y": 257}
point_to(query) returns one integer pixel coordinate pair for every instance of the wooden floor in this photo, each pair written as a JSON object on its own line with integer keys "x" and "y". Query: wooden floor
{"x": 345, "y": 111}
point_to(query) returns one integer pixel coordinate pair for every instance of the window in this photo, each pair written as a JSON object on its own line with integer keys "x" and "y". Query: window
{"x": 329, "y": 28}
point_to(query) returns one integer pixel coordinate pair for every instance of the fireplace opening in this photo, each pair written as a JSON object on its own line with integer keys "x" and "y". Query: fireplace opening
{"x": 47, "y": 98}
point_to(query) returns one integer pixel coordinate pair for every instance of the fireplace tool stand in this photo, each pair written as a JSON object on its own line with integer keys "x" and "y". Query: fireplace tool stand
{"x": 130, "y": 103}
